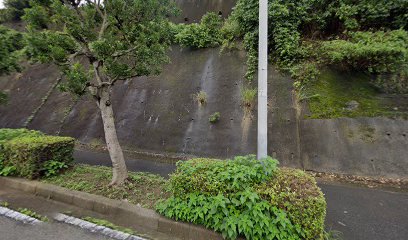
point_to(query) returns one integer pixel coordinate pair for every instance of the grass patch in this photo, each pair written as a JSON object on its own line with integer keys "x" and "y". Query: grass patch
{"x": 32, "y": 214}
{"x": 329, "y": 95}
{"x": 201, "y": 97}
{"x": 248, "y": 96}
{"x": 141, "y": 188}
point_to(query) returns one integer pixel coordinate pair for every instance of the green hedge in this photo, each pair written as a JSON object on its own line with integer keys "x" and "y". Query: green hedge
{"x": 7, "y": 134}
{"x": 297, "y": 194}
{"x": 31, "y": 154}
{"x": 245, "y": 197}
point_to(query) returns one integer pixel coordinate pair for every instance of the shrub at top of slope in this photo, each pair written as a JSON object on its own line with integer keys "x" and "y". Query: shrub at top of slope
{"x": 205, "y": 34}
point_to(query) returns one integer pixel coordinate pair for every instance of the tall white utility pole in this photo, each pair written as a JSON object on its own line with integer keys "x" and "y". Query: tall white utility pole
{"x": 262, "y": 81}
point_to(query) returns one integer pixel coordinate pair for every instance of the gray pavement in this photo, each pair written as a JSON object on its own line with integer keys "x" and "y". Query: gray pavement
{"x": 13, "y": 230}
{"x": 52, "y": 230}
{"x": 366, "y": 214}
{"x": 359, "y": 213}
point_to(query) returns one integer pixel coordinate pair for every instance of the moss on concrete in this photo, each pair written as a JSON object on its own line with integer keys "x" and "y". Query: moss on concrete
{"x": 329, "y": 95}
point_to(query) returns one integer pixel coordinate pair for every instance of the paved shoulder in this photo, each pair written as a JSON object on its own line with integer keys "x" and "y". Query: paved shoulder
{"x": 362, "y": 213}
{"x": 13, "y": 230}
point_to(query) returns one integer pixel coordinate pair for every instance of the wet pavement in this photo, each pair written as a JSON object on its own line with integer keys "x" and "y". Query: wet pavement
{"x": 359, "y": 213}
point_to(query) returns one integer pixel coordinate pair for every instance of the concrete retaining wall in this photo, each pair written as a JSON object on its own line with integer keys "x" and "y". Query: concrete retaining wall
{"x": 159, "y": 114}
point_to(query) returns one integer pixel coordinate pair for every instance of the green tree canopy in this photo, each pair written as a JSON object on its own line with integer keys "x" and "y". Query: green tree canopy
{"x": 96, "y": 44}
{"x": 15, "y": 8}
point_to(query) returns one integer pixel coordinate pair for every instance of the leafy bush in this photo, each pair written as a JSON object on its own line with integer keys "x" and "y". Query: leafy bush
{"x": 378, "y": 52}
{"x": 15, "y": 8}
{"x": 10, "y": 43}
{"x": 205, "y": 34}
{"x": 7, "y": 134}
{"x": 295, "y": 24}
{"x": 215, "y": 117}
{"x": 242, "y": 213}
{"x": 297, "y": 194}
{"x": 233, "y": 197}
{"x": 36, "y": 156}
{"x": 212, "y": 176}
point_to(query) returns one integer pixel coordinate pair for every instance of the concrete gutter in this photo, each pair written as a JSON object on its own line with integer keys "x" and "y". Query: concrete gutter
{"x": 135, "y": 215}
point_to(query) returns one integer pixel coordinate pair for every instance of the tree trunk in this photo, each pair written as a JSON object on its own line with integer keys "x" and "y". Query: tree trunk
{"x": 120, "y": 173}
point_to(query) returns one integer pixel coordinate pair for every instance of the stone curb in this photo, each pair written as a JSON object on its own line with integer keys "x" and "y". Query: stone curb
{"x": 135, "y": 215}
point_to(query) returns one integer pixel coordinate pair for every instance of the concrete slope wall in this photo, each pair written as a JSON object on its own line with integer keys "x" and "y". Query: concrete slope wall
{"x": 159, "y": 114}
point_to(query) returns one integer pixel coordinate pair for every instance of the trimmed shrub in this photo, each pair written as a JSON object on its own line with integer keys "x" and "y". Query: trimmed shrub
{"x": 37, "y": 156}
{"x": 7, "y": 134}
{"x": 235, "y": 197}
{"x": 213, "y": 176}
{"x": 296, "y": 192}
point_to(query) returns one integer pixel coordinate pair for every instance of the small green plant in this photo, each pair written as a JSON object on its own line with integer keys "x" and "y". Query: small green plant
{"x": 332, "y": 235}
{"x": 248, "y": 96}
{"x": 215, "y": 117}
{"x": 105, "y": 223}
{"x": 201, "y": 97}
{"x": 4, "y": 204}
{"x": 32, "y": 214}
{"x": 52, "y": 168}
{"x": 3, "y": 98}
{"x": 8, "y": 171}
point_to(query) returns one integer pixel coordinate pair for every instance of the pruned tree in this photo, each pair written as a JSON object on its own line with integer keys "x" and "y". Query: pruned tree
{"x": 98, "y": 43}
{"x": 10, "y": 43}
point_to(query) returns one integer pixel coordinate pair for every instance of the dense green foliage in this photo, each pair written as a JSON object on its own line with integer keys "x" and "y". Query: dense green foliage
{"x": 31, "y": 154}
{"x": 297, "y": 194}
{"x": 119, "y": 39}
{"x": 296, "y": 29}
{"x": 231, "y": 197}
{"x": 15, "y": 9}
{"x": 7, "y": 134}
{"x": 379, "y": 52}
{"x": 205, "y": 34}
{"x": 10, "y": 42}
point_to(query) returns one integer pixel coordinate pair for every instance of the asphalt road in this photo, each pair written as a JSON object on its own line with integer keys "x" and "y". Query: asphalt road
{"x": 13, "y": 230}
{"x": 359, "y": 213}
{"x": 366, "y": 214}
